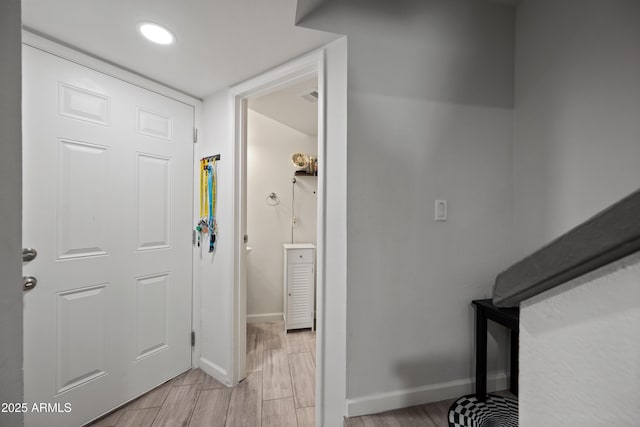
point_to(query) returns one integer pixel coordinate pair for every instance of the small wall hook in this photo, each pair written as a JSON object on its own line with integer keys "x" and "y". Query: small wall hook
{"x": 273, "y": 199}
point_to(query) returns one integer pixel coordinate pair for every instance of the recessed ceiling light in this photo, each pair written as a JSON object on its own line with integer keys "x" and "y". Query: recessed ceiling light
{"x": 156, "y": 33}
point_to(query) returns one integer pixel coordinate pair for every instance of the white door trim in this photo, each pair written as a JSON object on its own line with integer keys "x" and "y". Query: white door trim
{"x": 311, "y": 64}
{"x": 105, "y": 67}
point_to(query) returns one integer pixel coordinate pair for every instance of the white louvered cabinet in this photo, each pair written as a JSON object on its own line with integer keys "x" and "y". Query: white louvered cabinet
{"x": 299, "y": 285}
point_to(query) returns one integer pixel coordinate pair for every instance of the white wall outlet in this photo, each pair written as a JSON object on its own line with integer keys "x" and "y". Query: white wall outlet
{"x": 441, "y": 210}
{"x": 294, "y": 222}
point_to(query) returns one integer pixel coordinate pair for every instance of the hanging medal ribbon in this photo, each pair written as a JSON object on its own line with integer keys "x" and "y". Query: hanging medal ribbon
{"x": 211, "y": 191}
{"x": 208, "y": 186}
{"x": 203, "y": 164}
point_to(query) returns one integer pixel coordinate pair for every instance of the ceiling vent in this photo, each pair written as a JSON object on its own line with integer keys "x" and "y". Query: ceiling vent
{"x": 310, "y": 96}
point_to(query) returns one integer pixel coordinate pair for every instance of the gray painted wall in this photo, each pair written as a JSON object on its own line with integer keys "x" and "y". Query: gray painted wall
{"x": 429, "y": 117}
{"x": 577, "y": 125}
{"x": 10, "y": 209}
{"x": 576, "y": 151}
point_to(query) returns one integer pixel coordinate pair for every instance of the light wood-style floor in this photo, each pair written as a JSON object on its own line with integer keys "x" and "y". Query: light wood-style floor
{"x": 279, "y": 390}
{"x": 431, "y": 415}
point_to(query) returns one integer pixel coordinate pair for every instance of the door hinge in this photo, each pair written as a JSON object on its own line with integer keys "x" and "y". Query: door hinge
{"x": 195, "y": 135}
{"x": 193, "y": 339}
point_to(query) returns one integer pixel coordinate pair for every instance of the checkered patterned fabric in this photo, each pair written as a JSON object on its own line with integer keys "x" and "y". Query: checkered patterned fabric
{"x": 497, "y": 411}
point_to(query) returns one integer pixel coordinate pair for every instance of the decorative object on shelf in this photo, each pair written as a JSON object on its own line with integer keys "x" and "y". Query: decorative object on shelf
{"x": 273, "y": 199}
{"x": 300, "y": 161}
{"x": 208, "y": 185}
{"x": 306, "y": 164}
{"x": 312, "y": 165}
{"x": 310, "y": 170}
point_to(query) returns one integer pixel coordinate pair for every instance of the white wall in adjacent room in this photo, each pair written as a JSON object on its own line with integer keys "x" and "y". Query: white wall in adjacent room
{"x": 270, "y": 145}
{"x": 577, "y": 122}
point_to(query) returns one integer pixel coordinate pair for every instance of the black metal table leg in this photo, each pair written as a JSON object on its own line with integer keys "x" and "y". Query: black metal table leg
{"x": 514, "y": 362}
{"x": 481, "y": 355}
{"x": 507, "y": 317}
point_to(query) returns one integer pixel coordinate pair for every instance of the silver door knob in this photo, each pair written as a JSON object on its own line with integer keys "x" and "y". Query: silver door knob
{"x": 28, "y": 283}
{"x": 29, "y": 254}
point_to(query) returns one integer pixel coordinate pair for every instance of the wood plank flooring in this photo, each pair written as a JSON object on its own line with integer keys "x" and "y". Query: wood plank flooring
{"x": 279, "y": 390}
{"x": 430, "y": 415}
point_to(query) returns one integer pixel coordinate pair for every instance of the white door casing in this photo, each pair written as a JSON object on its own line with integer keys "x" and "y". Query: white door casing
{"x": 107, "y": 204}
{"x": 240, "y": 297}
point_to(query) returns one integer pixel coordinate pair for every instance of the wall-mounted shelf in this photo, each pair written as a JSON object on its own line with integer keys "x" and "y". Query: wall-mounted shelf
{"x": 305, "y": 173}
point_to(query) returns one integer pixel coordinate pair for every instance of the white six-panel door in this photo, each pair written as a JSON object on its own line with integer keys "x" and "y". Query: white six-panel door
{"x": 107, "y": 204}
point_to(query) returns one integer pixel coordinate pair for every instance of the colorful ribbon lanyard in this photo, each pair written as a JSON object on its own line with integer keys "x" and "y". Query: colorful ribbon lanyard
{"x": 213, "y": 228}
{"x": 210, "y": 188}
{"x": 203, "y": 165}
{"x": 208, "y": 184}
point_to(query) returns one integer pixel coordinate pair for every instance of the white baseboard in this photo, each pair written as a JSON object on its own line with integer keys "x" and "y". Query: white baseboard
{"x": 266, "y": 317}
{"x": 397, "y": 399}
{"x": 215, "y": 371}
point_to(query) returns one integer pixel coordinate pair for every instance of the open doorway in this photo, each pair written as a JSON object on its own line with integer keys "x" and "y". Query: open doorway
{"x": 282, "y": 151}
{"x": 282, "y": 190}
{"x": 259, "y": 311}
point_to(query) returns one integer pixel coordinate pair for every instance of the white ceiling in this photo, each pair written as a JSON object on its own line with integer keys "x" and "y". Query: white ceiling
{"x": 219, "y": 42}
{"x": 289, "y": 108}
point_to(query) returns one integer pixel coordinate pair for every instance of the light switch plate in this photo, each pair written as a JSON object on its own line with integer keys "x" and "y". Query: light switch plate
{"x": 441, "y": 210}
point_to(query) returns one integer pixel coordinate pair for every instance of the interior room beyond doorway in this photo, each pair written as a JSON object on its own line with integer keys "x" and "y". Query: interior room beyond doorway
{"x": 282, "y": 224}
{"x": 282, "y": 189}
